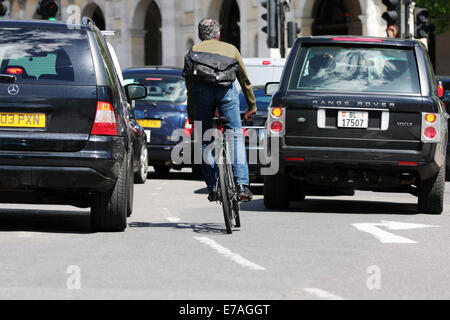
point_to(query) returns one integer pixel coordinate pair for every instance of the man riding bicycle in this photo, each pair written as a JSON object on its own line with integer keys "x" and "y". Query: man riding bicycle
{"x": 210, "y": 69}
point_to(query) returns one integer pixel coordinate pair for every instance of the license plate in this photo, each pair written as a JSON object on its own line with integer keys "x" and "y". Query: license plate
{"x": 146, "y": 123}
{"x": 22, "y": 120}
{"x": 353, "y": 119}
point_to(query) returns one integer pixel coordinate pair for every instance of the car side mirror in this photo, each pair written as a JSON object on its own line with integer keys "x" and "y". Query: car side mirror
{"x": 271, "y": 88}
{"x": 135, "y": 91}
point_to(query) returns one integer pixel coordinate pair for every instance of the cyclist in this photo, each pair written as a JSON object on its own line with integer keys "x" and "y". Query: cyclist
{"x": 210, "y": 69}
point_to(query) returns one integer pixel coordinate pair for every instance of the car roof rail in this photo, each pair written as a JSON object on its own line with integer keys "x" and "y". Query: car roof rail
{"x": 87, "y": 21}
{"x": 108, "y": 33}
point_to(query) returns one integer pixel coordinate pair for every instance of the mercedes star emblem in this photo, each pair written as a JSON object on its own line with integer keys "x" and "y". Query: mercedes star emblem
{"x": 13, "y": 89}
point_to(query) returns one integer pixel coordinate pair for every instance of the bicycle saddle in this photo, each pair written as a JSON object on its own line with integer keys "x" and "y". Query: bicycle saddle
{"x": 220, "y": 121}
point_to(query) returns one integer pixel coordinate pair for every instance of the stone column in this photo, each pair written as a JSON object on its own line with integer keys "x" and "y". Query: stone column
{"x": 168, "y": 32}
{"x": 371, "y": 20}
{"x": 137, "y": 46}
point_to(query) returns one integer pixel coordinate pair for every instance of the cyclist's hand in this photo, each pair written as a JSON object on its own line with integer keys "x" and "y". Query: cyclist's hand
{"x": 249, "y": 114}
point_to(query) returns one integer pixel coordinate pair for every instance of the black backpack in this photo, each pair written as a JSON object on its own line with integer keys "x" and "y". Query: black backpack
{"x": 210, "y": 68}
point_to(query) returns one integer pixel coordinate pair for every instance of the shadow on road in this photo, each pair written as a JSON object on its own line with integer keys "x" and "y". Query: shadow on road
{"x": 201, "y": 228}
{"x": 172, "y": 175}
{"x": 51, "y": 221}
{"x": 339, "y": 207}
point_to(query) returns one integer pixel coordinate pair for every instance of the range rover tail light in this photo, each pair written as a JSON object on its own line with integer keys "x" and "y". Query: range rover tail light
{"x": 431, "y": 128}
{"x": 276, "y": 126}
{"x": 277, "y": 112}
{"x": 105, "y": 120}
{"x": 276, "y": 120}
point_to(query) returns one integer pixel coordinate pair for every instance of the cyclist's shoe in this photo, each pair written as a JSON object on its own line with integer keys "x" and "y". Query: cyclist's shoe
{"x": 244, "y": 193}
{"x": 213, "y": 196}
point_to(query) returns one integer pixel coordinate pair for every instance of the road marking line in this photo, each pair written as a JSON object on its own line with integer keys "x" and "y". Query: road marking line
{"x": 387, "y": 237}
{"x": 173, "y": 219}
{"x": 227, "y": 253}
{"x": 322, "y": 294}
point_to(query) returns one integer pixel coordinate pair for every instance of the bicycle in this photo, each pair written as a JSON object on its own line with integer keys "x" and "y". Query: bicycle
{"x": 226, "y": 186}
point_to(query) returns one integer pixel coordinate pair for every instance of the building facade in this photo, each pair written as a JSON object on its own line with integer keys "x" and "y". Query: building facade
{"x": 153, "y": 32}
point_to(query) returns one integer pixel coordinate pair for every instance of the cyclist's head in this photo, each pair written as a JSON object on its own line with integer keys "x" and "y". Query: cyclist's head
{"x": 208, "y": 29}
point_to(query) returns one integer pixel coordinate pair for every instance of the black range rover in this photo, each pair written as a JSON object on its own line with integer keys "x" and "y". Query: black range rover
{"x": 357, "y": 113}
{"x": 64, "y": 128}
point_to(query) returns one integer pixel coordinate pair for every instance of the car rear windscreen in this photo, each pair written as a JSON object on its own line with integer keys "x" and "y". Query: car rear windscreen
{"x": 262, "y": 100}
{"x": 161, "y": 88}
{"x": 46, "y": 56}
{"x": 355, "y": 69}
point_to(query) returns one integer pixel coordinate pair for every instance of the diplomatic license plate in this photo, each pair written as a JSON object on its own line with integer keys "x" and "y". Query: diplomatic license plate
{"x": 22, "y": 120}
{"x": 353, "y": 119}
{"x": 146, "y": 123}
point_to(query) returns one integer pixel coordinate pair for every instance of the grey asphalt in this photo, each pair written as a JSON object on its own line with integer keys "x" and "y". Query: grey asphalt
{"x": 175, "y": 248}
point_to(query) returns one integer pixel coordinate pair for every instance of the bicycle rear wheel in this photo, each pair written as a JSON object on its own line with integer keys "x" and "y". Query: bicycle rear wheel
{"x": 225, "y": 196}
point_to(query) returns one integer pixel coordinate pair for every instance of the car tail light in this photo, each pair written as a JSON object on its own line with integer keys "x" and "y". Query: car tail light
{"x": 275, "y": 120}
{"x": 105, "y": 120}
{"x": 276, "y": 126}
{"x": 430, "y": 132}
{"x": 440, "y": 88}
{"x": 266, "y": 62}
{"x": 14, "y": 70}
{"x": 277, "y": 112}
{"x": 187, "y": 128}
{"x": 430, "y": 117}
{"x": 431, "y": 128}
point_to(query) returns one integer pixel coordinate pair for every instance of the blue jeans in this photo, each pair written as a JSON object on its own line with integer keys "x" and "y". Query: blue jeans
{"x": 206, "y": 100}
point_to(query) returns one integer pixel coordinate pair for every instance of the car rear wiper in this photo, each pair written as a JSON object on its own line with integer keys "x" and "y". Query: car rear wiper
{"x": 7, "y": 77}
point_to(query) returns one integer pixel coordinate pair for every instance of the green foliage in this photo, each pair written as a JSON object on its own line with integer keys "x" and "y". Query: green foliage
{"x": 439, "y": 13}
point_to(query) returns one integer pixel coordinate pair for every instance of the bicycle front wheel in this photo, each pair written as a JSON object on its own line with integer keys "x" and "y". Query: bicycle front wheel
{"x": 225, "y": 196}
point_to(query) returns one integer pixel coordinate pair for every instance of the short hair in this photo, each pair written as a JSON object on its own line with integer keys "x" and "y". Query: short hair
{"x": 208, "y": 29}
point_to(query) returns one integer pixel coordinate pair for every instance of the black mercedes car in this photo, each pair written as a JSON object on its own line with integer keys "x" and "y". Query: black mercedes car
{"x": 65, "y": 136}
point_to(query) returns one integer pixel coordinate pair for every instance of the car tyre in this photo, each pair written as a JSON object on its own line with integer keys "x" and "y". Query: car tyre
{"x": 141, "y": 175}
{"x": 109, "y": 209}
{"x": 276, "y": 192}
{"x": 431, "y": 193}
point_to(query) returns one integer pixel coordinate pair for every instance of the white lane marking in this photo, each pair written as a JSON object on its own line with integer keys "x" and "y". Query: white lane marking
{"x": 388, "y": 237}
{"x": 322, "y": 294}
{"x": 173, "y": 219}
{"x": 227, "y": 253}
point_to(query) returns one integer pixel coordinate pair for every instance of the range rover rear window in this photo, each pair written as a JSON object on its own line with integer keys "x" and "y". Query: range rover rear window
{"x": 46, "y": 56}
{"x": 355, "y": 69}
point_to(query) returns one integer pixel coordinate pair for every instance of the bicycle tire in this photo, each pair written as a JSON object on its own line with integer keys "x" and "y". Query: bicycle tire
{"x": 233, "y": 193}
{"x": 225, "y": 198}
